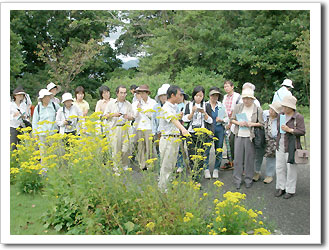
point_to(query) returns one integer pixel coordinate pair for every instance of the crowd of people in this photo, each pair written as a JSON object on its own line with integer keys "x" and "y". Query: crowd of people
{"x": 173, "y": 122}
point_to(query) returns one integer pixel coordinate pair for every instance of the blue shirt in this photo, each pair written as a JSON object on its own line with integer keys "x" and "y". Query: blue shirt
{"x": 280, "y": 94}
{"x": 46, "y": 114}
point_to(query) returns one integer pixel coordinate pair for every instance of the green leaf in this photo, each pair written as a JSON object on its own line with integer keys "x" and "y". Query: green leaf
{"x": 129, "y": 226}
{"x": 58, "y": 227}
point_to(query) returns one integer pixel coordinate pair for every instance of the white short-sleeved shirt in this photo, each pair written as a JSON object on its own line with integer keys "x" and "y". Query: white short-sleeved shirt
{"x": 167, "y": 113}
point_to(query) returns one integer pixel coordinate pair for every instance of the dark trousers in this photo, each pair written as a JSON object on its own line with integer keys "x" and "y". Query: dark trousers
{"x": 232, "y": 141}
{"x": 13, "y": 138}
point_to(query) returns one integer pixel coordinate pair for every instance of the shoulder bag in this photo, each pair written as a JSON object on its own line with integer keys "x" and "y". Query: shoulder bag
{"x": 301, "y": 155}
{"x": 259, "y": 140}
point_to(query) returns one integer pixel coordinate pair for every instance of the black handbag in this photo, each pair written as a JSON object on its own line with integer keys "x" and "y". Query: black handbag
{"x": 27, "y": 123}
{"x": 259, "y": 140}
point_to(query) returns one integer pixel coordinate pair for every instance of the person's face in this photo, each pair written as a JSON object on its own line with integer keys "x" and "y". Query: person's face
{"x": 247, "y": 101}
{"x": 122, "y": 93}
{"x": 273, "y": 114}
{"x": 178, "y": 98}
{"x": 80, "y": 96}
{"x": 68, "y": 103}
{"x": 163, "y": 98}
{"x": 198, "y": 97}
{"x": 46, "y": 99}
{"x": 19, "y": 97}
{"x": 214, "y": 97}
{"x": 144, "y": 94}
{"x": 132, "y": 91}
{"x": 287, "y": 110}
{"x": 106, "y": 95}
{"x": 53, "y": 91}
{"x": 228, "y": 88}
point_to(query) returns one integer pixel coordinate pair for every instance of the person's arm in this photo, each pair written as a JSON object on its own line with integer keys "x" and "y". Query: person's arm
{"x": 35, "y": 118}
{"x": 60, "y": 119}
{"x": 98, "y": 106}
{"x": 180, "y": 127}
{"x": 207, "y": 115}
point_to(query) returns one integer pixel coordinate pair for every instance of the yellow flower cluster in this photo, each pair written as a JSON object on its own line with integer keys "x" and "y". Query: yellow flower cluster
{"x": 188, "y": 217}
{"x": 234, "y": 196}
{"x": 261, "y": 231}
{"x": 207, "y": 144}
{"x": 150, "y": 161}
{"x": 219, "y": 150}
{"x": 218, "y": 183}
{"x": 201, "y": 131}
{"x": 196, "y": 157}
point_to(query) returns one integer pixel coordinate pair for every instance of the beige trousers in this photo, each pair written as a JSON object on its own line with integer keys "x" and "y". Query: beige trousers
{"x": 168, "y": 158}
{"x": 144, "y": 148}
{"x": 120, "y": 146}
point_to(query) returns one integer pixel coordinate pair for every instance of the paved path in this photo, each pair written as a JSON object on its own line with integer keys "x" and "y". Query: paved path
{"x": 289, "y": 216}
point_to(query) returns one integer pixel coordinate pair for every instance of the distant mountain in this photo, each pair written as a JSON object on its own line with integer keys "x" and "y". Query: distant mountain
{"x": 130, "y": 64}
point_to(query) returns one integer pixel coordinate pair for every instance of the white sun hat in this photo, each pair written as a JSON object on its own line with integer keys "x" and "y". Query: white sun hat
{"x": 53, "y": 85}
{"x": 162, "y": 90}
{"x": 288, "y": 83}
{"x": 43, "y": 93}
{"x": 66, "y": 97}
{"x": 247, "y": 92}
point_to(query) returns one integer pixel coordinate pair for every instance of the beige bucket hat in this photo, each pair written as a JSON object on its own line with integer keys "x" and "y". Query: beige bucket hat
{"x": 289, "y": 101}
{"x": 247, "y": 92}
{"x": 276, "y": 106}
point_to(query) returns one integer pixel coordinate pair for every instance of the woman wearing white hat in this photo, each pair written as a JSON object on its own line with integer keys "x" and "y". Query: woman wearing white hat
{"x": 283, "y": 91}
{"x": 18, "y": 112}
{"x": 44, "y": 111}
{"x": 161, "y": 98}
{"x": 292, "y": 130}
{"x": 64, "y": 120}
{"x": 245, "y": 116}
{"x": 54, "y": 89}
{"x": 271, "y": 133}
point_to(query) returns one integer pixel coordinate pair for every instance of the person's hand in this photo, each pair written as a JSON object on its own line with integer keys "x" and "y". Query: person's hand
{"x": 116, "y": 114}
{"x": 66, "y": 123}
{"x": 286, "y": 129}
{"x": 228, "y": 126}
{"x": 16, "y": 114}
{"x": 250, "y": 124}
{"x": 218, "y": 119}
{"x": 194, "y": 109}
{"x": 243, "y": 124}
{"x": 180, "y": 115}
{"x": 201, "y": 110}
{"x": 185, "y": 132}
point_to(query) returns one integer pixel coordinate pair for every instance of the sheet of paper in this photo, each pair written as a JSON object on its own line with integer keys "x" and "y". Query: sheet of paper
{"x": 282, "y": 122}
{"x": 242, "y": 117}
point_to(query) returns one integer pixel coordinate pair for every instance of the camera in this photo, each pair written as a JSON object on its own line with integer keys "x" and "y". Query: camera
{"x": 196, "y": 126}
{"x": 69, "y": 122}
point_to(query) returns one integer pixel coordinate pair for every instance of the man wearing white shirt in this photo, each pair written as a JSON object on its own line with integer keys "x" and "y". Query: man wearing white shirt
{"x": 170, "y": 126}
{"x": 119, "y": 113}
{"x": 143, "y": 110}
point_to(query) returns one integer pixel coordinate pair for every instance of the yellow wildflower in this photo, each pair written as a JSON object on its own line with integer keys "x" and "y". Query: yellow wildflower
{"x": 205, "y": 194}
{"x": 251, "y": 213}
{"x": 261, "y": 231}
{"x": 150, "y": 226}
{"x": 141, "y": 139}
{"x": 260, "y": 212}
{"x": 207, "y": 144}
{"x": 131, "y": 136}
{"x": 260, "y": 222}
{"x": 218, "y": 183}
{"x": 218, "y": 219}
{"x": 215, "y": 138}
{"x": 224, "y": 230}
{"x": 130, "y": 156}
{"x": 189, "y": 142}
{"x": 219, "y": 150}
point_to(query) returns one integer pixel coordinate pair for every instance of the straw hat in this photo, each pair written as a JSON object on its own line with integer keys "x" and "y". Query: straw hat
{"x": 276, "y": 106}
{"x": 43, "y": 93}
{"x": 247, "y": 92}
{"x": 53, "y": 85}
{"x": 143, "y": 88}
{"x": 66, "y": 96}
{"x": 289, "y": 101}
{"x": 288, "y": 83}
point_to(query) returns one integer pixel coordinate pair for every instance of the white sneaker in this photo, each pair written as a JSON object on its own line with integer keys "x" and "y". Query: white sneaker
{"x": 215, "y": 174}
{"x": 179, "y": 170}
{"x": 207, "y": 174}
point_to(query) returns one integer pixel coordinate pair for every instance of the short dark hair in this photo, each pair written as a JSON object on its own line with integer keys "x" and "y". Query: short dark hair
{"x": 229, "y": 82}
{"x": 120, "y": 86}
{"x": 196, "y": 90}
{"x": 79, "y": 89}
{"x": 172, "y": 90}
{"x": 102, "y": 89}
{"x": 133, "y": 87}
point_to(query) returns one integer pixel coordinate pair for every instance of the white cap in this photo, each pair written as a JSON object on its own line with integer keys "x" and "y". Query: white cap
{"x": 162, "y": 90}
{"x": 288, "y": 83}
{"x": 43, "y": 93}
{"x": 53, "y": 85}
{"x": 66, "y": 96}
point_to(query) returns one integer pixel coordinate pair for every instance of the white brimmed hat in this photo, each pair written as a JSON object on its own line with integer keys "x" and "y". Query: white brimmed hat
{"x": 53, "y": 85}
{"x": 289, "y": 101}
{"x": 248, "y": 85}
{"x": 247, "y": 92}
{"x": 43, "y": 93}
{"x": 276, "y": 106}
{"x": 66, "y": 97}
{"x": 162, "y": 90}
{"x": 288, "y": 83}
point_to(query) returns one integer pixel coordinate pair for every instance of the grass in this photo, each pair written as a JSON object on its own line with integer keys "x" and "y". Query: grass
{"x": 25, "y": 213}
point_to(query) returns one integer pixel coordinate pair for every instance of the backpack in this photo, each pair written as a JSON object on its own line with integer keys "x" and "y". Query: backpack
{"x": 51, "y": 103}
